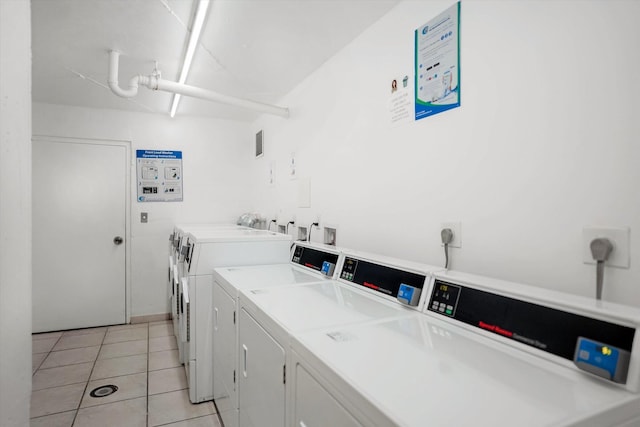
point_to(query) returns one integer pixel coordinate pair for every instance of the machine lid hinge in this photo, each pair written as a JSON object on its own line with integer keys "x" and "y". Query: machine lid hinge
{"x": 234, "y": 376}
{"x": 284, "y": 374}
{"x": 234, "y": 317}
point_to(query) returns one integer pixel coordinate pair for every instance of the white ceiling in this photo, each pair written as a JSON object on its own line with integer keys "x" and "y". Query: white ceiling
{"x": 254, "y": 49}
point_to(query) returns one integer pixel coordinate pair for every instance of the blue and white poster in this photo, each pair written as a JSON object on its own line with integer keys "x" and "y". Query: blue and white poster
{"x": 159, "y": 175}
{"x": 437, "y": 61}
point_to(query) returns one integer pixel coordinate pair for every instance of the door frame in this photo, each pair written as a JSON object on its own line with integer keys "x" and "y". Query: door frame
{"x": 129, "y": 165}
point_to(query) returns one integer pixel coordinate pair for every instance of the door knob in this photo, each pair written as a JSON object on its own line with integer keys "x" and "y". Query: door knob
{"x": 118, "y": 240}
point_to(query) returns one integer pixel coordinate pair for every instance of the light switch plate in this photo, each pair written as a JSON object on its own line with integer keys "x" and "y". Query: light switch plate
{"x": 619, "y": 237}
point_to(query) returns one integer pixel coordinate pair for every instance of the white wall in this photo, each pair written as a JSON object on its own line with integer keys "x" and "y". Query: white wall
{"x": 214, "y": 176}
{"x": 546, "y": 142}
{"x": 15, "y": 213}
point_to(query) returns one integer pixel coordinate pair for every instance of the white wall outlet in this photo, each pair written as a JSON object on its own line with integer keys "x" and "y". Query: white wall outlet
{"x": 302, "y": 234}
{"x": 456, "y": 227}
{"x": 330, "y": 235}
{"x": 317, "y": 220}
{"x": 619, "y": 237}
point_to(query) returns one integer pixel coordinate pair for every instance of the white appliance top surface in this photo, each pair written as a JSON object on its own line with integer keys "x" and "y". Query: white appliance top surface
{"x": 212, "y": 235}
{"x": 263, "y": 276}
{"x": 297, "y": 308}
{"x": 421, "y": 371}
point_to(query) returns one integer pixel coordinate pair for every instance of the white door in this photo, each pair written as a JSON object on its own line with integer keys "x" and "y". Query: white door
{"x": 79, "y": 225}
{"x": 315, "y": 406}
{"x": 224, "y": 355}
{"x": 261, "y": 387}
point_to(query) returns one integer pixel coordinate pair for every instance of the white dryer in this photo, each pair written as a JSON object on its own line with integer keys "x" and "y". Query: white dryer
{"x": 484, "y": 353}
{"x": 267, "y": 317}
{"x": 206, "y": 251}
{"x": 309, "y": 263}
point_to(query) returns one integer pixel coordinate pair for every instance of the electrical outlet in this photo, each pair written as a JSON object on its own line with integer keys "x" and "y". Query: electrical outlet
{"x": 456, "y": 227}
{"x": 302, "y": 233}
{"x": 330, "y": 235}
{"x": 317, "y": 221}
{"x": 619, "y": 237}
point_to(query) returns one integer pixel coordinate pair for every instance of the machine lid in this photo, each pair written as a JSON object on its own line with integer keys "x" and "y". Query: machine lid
{"x": 421, "y": 371}
{"x": 262, "y": 276}
{"x": 315, "y": 305}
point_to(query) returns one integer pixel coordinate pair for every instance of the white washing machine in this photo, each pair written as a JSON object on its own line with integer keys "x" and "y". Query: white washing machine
{"x": 309, "y": 263}
{"x": 206, "y": 251}
{"x": 268, "y": 316}
{"x": 484, "y": 353}
{"x": 178, "y": 238}
{"x": 176, "y": 260}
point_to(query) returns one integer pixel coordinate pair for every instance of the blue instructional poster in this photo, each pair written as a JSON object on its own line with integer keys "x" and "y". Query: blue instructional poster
{"x": 437, "y": 62}
{"x": 159, "y": 175}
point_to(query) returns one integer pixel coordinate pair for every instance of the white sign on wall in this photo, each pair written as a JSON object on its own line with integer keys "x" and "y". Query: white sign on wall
{"x": 400, "y": 101}
{"x": 159, "y": 174}
{"x": 437, "y": 62}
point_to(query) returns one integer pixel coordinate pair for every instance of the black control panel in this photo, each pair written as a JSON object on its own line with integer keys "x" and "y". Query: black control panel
{"x": 313, "y": 258}
{"x": 552, "y": 330}
{"x": 444, "y": 299}
{"x": 387, "y": 280}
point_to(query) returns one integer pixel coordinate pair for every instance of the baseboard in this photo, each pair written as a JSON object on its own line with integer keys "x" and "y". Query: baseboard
{"x": 150, "y": 318}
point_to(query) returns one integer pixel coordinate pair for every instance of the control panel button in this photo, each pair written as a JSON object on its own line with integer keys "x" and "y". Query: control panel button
{"x": 444, "y": 299}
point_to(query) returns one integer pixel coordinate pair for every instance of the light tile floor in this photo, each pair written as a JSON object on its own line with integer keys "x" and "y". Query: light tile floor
{"x": 141, "y": 360}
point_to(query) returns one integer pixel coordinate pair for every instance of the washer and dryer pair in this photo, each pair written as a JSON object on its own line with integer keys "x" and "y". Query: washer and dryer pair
{"x": 256, "y": 371}
{"x": 309, "y": 264}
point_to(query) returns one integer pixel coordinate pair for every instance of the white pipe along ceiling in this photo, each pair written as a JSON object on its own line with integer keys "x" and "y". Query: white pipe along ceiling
{"x": 154, "y": 82}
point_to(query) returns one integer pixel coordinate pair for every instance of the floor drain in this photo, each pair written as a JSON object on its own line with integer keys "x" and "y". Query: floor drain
{"x": 103, "y": 391}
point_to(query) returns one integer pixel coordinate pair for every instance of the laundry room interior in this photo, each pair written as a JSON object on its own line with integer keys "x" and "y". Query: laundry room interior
{"x": 539, "y": 156}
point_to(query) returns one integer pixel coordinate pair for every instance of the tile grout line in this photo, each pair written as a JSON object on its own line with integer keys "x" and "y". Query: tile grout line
{"x": 148, "y": 356}
{"x": 89, "y": 378}
{"x": 180, "y": 421}
{"x": 39, "y": 369}
{"x": 45, "y": 358}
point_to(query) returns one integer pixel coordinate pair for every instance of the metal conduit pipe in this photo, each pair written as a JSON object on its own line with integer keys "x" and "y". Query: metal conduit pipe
{"x": 154, "y": 83}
